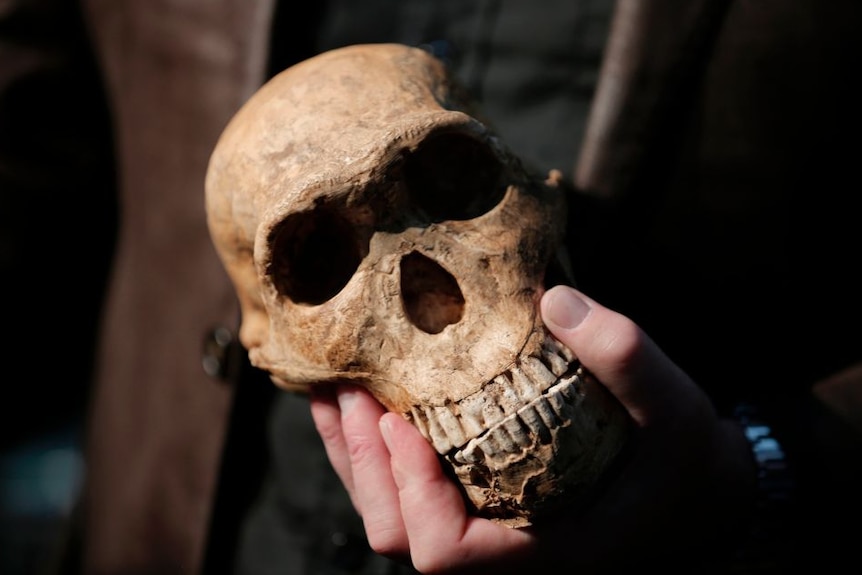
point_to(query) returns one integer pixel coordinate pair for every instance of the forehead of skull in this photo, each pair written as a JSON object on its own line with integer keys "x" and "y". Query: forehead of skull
{"x": 335, "y": 116}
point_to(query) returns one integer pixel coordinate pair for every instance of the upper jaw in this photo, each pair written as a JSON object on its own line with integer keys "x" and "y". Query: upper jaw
{"x": 509, "y": 413}
{"x": 537, "y": 438}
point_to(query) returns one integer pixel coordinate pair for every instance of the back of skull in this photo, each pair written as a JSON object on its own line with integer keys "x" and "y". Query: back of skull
{"x": 377, "y": 232}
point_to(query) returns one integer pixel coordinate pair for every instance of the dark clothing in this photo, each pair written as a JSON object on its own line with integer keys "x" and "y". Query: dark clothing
{"x": 699, "y": 226}
{"x": 712, "y": 155}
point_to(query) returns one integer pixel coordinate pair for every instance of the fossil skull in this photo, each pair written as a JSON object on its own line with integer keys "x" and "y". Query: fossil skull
{"x": 376, "y": 231}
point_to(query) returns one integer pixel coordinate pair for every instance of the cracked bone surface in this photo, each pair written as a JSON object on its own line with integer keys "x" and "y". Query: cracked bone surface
{"x": 376, "y": 231}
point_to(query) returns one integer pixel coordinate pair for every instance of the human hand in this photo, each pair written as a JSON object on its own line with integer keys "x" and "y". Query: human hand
{"x": 685, "y": 486}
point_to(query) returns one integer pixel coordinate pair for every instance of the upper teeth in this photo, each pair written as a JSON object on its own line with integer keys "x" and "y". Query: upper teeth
{"x": 519, "y": 431}
{"x": 509, "y": 413}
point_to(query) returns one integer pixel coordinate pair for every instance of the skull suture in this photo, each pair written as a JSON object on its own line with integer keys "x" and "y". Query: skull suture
{"x": 378, "y": 232}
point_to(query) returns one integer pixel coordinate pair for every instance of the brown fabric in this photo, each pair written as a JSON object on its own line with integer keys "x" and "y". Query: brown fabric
{"x": 842, "y": 393}
{"x": 656, "y": 52}
{"x": 734, "y": 235}
{"x": 176, "y": 71}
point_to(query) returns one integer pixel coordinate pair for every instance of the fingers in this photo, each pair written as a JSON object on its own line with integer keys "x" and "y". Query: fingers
{"x": 411, "y": 510}
{"x": 680, "y": 445}
{"x": 327, "y": 419}
{"x": 349, "y": 428}
{"x": 429, "y": 500}
{"x": 617, "y": 352}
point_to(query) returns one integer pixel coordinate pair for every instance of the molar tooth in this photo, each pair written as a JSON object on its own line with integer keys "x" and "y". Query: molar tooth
{"x": 570, "y": 388}
{"x": 471, "y": 412}
{"x": 535, "y": 424}
{"x": 509, "y": 399}
{"x": 439, "y": 438}
{"x": 420, "y": 421}
{"x": 552, "y": 344}
{"x": 557, "y": 363}
{"x": 546, "y": 412}
{"x": 561, "y": 349}
{"x": 561, "y": 406}
{"x": 502, "y": 441}
{"x": 448, "y": 421}
{"x": 524, "y": 385}
{"x": 471, "y": 453}
{"x": 492, "y": 413}
{"x": 517, "y": 432}
{"x": 538, "y": 372}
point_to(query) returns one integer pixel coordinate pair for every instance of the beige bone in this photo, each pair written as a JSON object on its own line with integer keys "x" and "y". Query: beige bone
{"x": 376, "y": 231}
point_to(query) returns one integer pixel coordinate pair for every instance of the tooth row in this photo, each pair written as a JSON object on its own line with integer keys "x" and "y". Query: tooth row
{"x": 556, "y": 355}
{"x": 518, "y": 432}
{"x": 453, "y": 425}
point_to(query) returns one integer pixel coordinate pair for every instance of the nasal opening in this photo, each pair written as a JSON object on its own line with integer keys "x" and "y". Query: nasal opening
{"x": 430, "y": 294}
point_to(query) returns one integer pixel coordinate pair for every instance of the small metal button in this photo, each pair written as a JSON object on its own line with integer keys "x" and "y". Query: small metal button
{"x": 220, "y": 353}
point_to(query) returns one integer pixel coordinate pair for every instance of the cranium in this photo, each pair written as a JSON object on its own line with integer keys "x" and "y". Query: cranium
{"x": 376, "y": 231}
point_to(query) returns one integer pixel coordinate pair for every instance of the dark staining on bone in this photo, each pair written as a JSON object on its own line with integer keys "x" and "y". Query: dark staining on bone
{"x": 453, "y": 176}
{"x": 479, "y": 478}
{"x": 314, "y": 255}
{"x": 431, "y": 296}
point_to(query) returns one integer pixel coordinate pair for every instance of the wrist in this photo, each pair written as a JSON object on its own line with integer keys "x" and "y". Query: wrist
{"x": 774, "y": 485}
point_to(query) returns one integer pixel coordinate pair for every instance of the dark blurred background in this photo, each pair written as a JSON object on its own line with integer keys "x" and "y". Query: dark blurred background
{"x": 57, "y": 227}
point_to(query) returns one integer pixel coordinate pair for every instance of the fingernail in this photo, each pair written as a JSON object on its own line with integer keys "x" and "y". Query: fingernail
{"x": 385, "y": 430}
{"x": 565, "y": 308}
{"x": 346, "y": 397}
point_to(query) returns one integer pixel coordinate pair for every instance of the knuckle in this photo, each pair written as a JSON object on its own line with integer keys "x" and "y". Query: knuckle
{"x": 361, "y": 449}
{"x": 621, "y": 344}
{"x": 387, "y": 540}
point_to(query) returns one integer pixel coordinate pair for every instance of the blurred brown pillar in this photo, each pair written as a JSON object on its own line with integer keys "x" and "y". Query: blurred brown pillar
{"x": 176, "y": 71}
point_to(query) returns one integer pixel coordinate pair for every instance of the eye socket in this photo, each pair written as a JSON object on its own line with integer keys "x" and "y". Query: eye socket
{"x": 453, "y": 176}
{"x": 314, "y": 255}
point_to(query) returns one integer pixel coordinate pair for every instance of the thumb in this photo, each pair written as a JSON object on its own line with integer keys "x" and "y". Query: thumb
{"x": 617, "y": 352}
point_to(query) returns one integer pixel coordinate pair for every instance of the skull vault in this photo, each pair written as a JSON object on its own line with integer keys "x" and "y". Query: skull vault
{"x": 376, "y": 231}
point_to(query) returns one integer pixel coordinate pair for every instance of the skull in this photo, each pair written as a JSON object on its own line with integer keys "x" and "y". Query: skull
{"x": 377, "y": 232}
